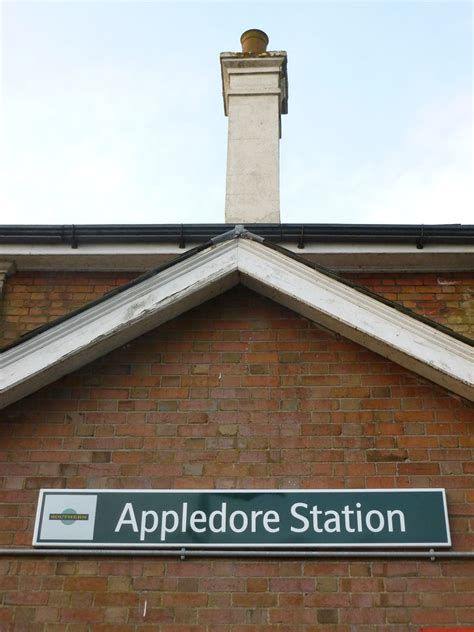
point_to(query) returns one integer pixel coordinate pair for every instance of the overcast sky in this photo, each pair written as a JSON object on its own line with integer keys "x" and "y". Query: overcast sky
{"x": 112, "y": 111}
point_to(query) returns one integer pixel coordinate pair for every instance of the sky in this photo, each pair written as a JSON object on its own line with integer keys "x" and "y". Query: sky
{"x": 111, "y": 111}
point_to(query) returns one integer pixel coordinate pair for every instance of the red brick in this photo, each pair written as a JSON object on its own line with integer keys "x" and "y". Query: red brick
{"x": 26, "y": 597}
{"x": 417, "y": 469}
{"x": 94, "y": 584}
{"x": 313, "y": 411}
{"x": 77, "y": 615}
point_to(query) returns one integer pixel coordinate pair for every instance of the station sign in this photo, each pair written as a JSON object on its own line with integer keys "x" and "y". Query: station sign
{"x": 242, "y": 518}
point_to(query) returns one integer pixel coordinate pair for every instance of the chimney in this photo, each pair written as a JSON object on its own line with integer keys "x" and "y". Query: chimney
{"x": 255, "y": 89}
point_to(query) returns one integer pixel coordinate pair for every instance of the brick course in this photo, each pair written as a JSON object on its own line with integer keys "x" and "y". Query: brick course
{"x": 238, "y": 393}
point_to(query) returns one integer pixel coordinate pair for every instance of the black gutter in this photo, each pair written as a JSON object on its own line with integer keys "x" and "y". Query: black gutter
{"x": 419, "y": 235}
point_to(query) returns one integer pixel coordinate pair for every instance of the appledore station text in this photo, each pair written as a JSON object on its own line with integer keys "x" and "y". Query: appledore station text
{"x": 228, "y": 518}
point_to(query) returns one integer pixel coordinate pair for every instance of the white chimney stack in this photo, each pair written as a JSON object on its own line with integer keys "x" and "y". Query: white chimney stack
{"x": 255, "y": 89}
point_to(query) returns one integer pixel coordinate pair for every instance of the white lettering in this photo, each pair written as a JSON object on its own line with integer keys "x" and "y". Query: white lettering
{"x": 245, "y": 521}
{"x": 271, "y": 516}
{"x": 132, "y": 521}
{"x": 315, "y": 512}
{"x": 335, "y": 521}
{"x": 298, "y": 516}
{"x": 368, "y": 521}
{"x": 218, "y": 514}
{"x": 165, "y": 528}
{"x": 254, "y": 516}
{"x": 143, "y": 526}
{"x": 304, "y": 517}
{"x": 184, "y": 517}
{"x": 401, "y": 516}
{"x": 347, "y": 520}
{"x": 359, "y": 517}
{"x": 197, "y": 517}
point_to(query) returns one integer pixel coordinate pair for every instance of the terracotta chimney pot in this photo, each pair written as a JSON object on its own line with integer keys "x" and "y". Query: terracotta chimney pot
{"x": 254, "y": 42}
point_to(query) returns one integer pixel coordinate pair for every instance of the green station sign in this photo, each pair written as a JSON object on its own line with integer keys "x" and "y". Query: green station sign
{"x": 242, "y": 518}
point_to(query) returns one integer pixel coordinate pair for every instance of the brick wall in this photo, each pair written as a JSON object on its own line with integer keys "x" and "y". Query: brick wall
{"x": 446, "y": 298}
{"x": 238, "y": 393}
{"x": 116, "y": 595}
{"x": 34, "y": 298}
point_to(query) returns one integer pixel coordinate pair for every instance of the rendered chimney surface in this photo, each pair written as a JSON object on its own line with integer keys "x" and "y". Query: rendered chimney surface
{"x": 255, "y": 89}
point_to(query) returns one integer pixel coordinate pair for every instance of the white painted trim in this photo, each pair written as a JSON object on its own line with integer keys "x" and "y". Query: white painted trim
{"x": 344, "y": 257}
{"x": 371, "y": 323}
{"x": 115, "y": 321}
{"x": 328, "y": 302}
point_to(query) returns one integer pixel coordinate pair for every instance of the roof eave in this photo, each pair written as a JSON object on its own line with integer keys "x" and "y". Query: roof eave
{"x": 114, "y": 320}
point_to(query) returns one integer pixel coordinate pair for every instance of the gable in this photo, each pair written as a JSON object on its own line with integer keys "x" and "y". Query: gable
{"x": 324, "y": 299}
{"x": 239, "y": 392}
{"x": 237, "y": 357}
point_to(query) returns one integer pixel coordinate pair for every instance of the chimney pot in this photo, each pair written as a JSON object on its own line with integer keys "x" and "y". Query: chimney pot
{"x": 254, "y": 42}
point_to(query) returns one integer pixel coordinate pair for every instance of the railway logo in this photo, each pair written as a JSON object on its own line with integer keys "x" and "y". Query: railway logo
{"x": 68, "y": 517}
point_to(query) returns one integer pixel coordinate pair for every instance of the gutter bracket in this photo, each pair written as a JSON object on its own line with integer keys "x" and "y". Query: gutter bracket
{"x": 420, "y": 243}
{"x": 73, "y": 238}
{"x": 183, "y": 554}
{"x": 301, "y": 243}
{"x": 182, "y": 243}
{"x": 433, "y": 557}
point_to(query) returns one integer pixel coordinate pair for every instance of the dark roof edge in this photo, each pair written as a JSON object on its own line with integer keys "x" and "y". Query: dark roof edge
{"x": 418, "y": 235}
{"x": 238, "y": 231}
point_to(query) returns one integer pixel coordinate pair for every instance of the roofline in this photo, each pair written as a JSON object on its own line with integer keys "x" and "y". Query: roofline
{"x": 238, "y": 231}
{"x": 76, "y": 234}
{"x": 349, "y": 248}
{"x": 323, "y": 299}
